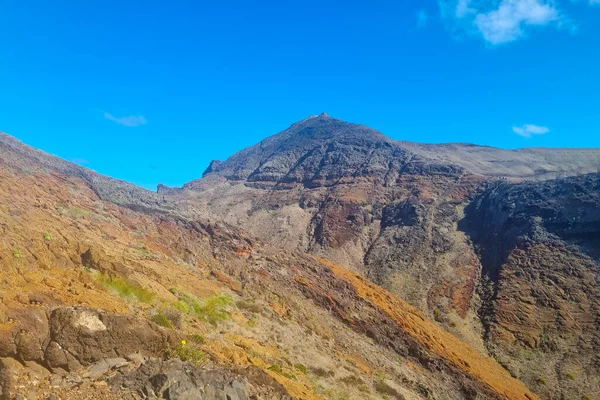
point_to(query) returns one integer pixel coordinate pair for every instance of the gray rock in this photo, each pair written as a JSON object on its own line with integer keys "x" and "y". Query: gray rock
{"x": 176, "y": 380}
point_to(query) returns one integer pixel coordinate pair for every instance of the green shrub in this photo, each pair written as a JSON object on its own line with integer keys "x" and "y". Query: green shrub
{"x": 542, "y": 381}
{"x": 121, "y": 287}
{"x": 301, "y": 368}
{"x": 162, "y": 320}
{"x": 187, "y": 352}
{"x": 276, "y": 368}
{"x": 181, "y": 306}
{"x": 48, "y": 236}
{"x": 198, "y": 339}
{"x": 211, "y": 310}
{"x": 174, "y": 316}
{"x": 17, "y": 254}
{"x": 571, "y": 377}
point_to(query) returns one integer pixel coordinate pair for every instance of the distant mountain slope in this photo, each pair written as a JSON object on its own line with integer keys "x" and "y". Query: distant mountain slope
{"x": 322, "y": 148}
{"x": 398, "y": 211}
{"x": 529, "y": 163}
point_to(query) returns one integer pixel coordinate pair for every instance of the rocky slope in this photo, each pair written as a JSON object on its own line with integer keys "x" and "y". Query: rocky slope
{"x": 428, "y": 223}
{"x": 108, "y": 291}
{"x": 540, "y": 251}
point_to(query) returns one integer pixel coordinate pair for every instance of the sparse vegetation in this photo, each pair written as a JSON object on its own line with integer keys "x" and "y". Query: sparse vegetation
{"x": 571, "y": 377}
{"x": 17, "y": 253}
{"x": 381, "y": 376}
{"x": 144, "y": 251}
{"x": 77, "y": 212}
{"x": 276, "y": 368}
{"x": 249, "y": 305}
{"x": 198, "y": 339}
{"x": 129, "y": 291}
{"x": 387, "y": 390}
{"x": 162, "y": 320}
{"x": 187, "y": 352}
{"x": 211, "y": 310}
{"x": 542, "y": 381}
{"x": 48, "y": 237}
{"x": 301, "y": 368}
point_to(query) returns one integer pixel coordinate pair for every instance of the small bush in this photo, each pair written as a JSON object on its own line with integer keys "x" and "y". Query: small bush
{"x": 187, "y": 352}
{"x": 301, "y": 368}
{"x": 211, "y": 310}
{"x": 198, "y": 339}
{"x": 276, "y": 368}
{"x": 571, "y": 377}
{"x": 162, "y": 320}
{"x": 542, "y": 381}
{"x": 17, "y": 254}
{"x": 48, "y": 237}
{"x": 121, "y": 287}
{"x": 181, "y": 306}
{"x": 174, "y": 316}
{"x": 586, "y": 397}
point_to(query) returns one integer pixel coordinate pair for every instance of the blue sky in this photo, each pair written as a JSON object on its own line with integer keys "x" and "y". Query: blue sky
{"x": 151, "y": 91}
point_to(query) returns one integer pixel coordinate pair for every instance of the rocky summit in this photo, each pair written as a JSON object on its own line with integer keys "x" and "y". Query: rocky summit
{"x": 326, "y": 262}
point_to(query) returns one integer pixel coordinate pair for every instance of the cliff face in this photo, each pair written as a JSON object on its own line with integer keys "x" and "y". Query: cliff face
{"x": 539, "y": 249}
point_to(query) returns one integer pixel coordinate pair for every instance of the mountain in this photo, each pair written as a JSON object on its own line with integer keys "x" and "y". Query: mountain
{"x": 328, "y": 261}
{"x": 109, "y": 291}
{"x": 497, "y": 246}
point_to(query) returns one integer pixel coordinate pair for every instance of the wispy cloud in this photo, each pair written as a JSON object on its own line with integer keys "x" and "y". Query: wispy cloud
{"x": 529, "y": 130}
{"x": 509, "y": 21}
{"x": 502, "y": 21}
{"x": 128, "y": 120}
{"x": 423, "y": 18}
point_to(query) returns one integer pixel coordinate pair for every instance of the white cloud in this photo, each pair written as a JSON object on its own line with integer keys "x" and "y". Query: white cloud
{"x": 529, "y": 130}
{"x": 507, "y": 23}
{"x": 128, "y": 120}
{"x": 503, "y": 21}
